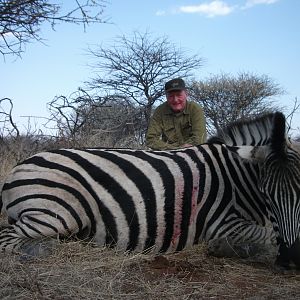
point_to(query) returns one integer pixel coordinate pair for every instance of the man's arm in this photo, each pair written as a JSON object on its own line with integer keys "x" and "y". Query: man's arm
{"x": 154, "y": 133}
{"x": 198, "y": 126}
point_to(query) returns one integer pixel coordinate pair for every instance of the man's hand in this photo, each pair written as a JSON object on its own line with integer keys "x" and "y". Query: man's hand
{"x": 186, "y": 145}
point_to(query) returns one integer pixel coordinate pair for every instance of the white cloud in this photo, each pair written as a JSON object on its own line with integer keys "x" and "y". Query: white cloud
{"x": 211, "y": 9}
{"x": 214, "y": 8}
{"x": 160, "y": 13}
{"x": 251, "y": 3}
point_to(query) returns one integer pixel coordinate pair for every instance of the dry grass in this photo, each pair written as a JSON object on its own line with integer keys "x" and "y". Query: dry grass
{"x": 79, "y": 271}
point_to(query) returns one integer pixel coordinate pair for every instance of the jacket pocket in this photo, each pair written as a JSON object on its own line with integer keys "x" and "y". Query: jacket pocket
{"x": 169, "y": 132}
{"x": 187, "y": 129}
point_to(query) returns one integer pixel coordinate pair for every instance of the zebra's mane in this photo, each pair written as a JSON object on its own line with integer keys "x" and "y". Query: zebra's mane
{"x": 256, "y": 131}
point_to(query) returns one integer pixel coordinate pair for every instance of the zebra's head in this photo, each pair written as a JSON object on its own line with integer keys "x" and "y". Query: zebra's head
{"x": 265, "y": 141}
{"x": 279, "y": 182}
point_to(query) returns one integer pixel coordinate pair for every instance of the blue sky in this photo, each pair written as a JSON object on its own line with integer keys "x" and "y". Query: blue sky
{"x": 232, "y": 36}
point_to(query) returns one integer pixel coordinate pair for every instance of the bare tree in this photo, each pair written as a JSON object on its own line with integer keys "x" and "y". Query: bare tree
{"x": 117, "y": 102}
{"x": 71, "y": 113}
{"x": 115, "y": 124}
{"x": 290, "y": 116}
{"x": 20, "y": 21}
{"x": 7, "y": 125}
{"x": 137, "y": 67}
{"x": 226, "y": 98}
{"x": 89, "y": 120}
{"x": 16, "y": 145}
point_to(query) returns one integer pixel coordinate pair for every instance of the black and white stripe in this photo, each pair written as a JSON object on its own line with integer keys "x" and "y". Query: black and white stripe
{"x": 158, "y": 200}
{"x": 134, "y": 199}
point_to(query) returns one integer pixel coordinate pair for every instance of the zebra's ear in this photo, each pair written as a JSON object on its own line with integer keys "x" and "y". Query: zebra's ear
{"x": 278, "y": 136}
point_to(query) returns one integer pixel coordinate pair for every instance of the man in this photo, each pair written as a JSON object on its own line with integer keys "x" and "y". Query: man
{"x": 177, "y": 123}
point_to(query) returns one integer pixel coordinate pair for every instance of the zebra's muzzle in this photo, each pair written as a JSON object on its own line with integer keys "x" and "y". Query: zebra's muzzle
{"x": 295, "y": 253}
{"x": 287, "y": 257}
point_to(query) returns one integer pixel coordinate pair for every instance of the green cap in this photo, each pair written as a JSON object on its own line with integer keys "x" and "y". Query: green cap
{"x": 175, "y": 84}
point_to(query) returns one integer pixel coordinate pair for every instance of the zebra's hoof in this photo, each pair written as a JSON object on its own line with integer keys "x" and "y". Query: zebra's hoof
{"x": 222, "y": 247}
{"x": 42, "y": 248}
{"x": 225, "y": 247}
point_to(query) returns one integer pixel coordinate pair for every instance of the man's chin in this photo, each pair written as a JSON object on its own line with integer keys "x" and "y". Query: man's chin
{"x": 177, "y": 110}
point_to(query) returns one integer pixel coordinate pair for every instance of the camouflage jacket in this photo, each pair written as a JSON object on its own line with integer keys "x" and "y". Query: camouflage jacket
{"x": 169, "y": 130}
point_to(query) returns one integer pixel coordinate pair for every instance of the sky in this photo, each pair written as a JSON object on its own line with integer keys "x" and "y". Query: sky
{"x": 260, "y": 37}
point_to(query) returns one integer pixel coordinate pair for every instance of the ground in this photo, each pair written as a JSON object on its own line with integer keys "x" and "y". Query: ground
{"x": 79, "y": 271}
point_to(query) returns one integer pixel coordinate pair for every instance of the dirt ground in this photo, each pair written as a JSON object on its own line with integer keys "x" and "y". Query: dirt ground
{"x": 79, "y": 271}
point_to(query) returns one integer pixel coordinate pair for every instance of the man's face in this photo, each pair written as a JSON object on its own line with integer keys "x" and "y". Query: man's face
{"x": 177, "y": 100}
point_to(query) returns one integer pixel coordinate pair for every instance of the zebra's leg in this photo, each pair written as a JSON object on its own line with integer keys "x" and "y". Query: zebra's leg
{"x": 11, "y": 241}
{"x": 32, "y": 235}
{"x": 247, "y": 240}
{"x": 226, "y": 247}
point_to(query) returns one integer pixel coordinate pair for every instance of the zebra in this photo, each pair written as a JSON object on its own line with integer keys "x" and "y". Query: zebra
{"x": 233, "y": 186}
